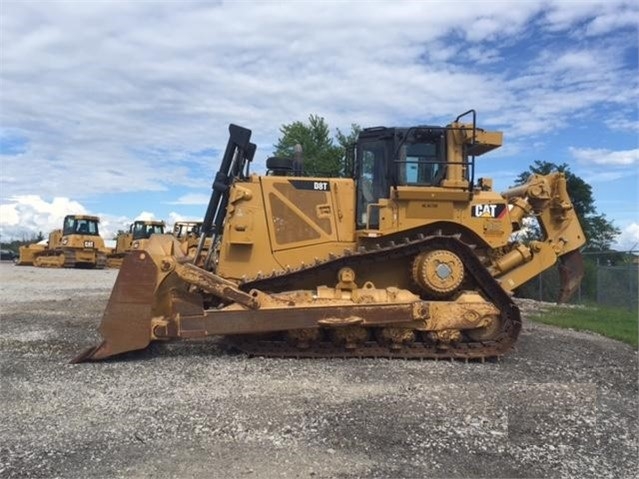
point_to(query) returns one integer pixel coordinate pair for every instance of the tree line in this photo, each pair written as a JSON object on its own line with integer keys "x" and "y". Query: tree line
{"x": 14, "y": 245}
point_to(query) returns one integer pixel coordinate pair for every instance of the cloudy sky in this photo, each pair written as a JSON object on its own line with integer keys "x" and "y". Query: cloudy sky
{"x": 121, "y": 109}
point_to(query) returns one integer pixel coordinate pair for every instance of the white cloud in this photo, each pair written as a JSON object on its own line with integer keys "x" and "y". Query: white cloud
{"x": 110, "y": 225}
{"x": 113, "y": 97}
{"x": 23, "y": 217}
{"x": 613, "y": 20}
{"x": 174, "y": 217}
{"x": 146, "y": 216}
{"x": 591, "y": 17}
{"x": 621, "y": 122}
{"x": 600, "y": 156}
{"x": 628, "y": 239}
{"x": 591, "y": 177}
{"x": 191, "y": 199}
{"x": 575, "y": 60}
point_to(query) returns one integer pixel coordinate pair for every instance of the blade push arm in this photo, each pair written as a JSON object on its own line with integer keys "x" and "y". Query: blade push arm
{"x": 546, "y": 198}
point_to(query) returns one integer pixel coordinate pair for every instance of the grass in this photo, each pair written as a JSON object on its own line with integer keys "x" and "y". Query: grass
{"x": 614, "y": 323}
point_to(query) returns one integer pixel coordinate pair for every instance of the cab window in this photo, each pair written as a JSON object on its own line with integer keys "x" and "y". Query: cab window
{"x": 419, "y": 164}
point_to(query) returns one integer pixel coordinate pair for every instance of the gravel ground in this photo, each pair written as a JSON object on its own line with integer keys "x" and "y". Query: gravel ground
{"x": 563, "y": 404}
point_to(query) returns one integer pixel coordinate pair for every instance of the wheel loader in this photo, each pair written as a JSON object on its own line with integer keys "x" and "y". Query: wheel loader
{"x": 77, "y": 244}
{"x": 408, "y": 255}
{"x": 135, "y": 238}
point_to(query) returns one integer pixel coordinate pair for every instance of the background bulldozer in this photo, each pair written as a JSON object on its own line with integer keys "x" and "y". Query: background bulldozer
{"x": 408, "y": 255}
{"x": 27, "y": 253}
{"x": 139, "y": 231}
{"x": 77, "y": 244}
{"x": 188, "y": 234}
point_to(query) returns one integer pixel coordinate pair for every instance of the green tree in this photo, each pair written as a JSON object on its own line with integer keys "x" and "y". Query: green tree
{"x": 347, "y": 145}
{"x": 322, "y": 157}
{"x": 600, "y": 232}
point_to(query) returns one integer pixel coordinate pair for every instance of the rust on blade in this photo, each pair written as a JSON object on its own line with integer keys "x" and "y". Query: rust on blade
{"x": 571, "y": 272}
{"x": 126, "y": 324}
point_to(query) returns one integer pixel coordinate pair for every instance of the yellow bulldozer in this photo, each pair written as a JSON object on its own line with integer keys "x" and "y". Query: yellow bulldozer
{"x": 77, "y": 244}
{"x": 27, "y": 253}
{"x": 188, "y": 234}
{"x": 408, "y": 255}
{"x": 134, "y": 239}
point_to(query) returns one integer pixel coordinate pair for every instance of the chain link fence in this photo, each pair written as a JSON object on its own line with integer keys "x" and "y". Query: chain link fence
{"x": 605, "y": 282}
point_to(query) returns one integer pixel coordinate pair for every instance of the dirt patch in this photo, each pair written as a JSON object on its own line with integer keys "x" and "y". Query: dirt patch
{"x": 563, "y": 404}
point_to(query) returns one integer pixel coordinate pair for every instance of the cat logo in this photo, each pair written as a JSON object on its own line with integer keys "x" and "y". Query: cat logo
{"x": 488, "y": 211}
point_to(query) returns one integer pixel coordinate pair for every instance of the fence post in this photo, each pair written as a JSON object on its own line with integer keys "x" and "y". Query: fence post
{"x": 579, "y": 294}
{"x": 629, "y": 280}
{"x": 597, "y": 281}
{"x": 540, "y": 286}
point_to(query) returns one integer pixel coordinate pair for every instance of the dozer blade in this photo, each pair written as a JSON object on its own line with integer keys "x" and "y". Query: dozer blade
{"x": 126, "y": 324}
{"x": 571, "y": 272}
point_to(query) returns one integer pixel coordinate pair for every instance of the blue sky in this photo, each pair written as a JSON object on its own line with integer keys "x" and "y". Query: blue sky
{"x": 120, "y": 109}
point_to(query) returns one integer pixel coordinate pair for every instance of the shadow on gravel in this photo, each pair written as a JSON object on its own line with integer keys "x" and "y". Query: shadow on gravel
{"x": 213, "y": 347}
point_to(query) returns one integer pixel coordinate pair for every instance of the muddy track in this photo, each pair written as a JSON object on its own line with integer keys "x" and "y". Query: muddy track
{"x": 402, "y": 249}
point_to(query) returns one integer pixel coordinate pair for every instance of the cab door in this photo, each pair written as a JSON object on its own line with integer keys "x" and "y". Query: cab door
{"x": 372, "y": 181}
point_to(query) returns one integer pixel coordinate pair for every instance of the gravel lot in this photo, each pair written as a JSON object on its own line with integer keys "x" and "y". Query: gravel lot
{"x": 563, "y": 404}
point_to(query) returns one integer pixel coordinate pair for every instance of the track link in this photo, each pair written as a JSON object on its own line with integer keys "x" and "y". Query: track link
{"x": 422, "y": 348}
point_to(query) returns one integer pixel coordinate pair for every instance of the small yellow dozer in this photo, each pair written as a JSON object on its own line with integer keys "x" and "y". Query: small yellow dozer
{"x": 29, "y": 252}
{"x": 139, "y": 232}
{"x": 188, "y": 234}
{"x": 77, "y": 244}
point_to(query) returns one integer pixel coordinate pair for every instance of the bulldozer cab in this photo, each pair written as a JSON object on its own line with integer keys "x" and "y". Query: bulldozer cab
{"x": 82, "y": 225}
{"x": 144, "y": 229}
{"x": 391, "y": 157}
{"x": 416, "y": 157}
{"x": 183, "y": 229}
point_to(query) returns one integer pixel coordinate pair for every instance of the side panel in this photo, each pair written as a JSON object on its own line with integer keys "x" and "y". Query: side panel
{"x": 279, "y": 222}
{"x": 486, "y": 213}
{"x": 307, "y": 211}
{"x": 308, "y": 218}
{"x": 246, "y": 248}
{"x": 488, "y": 216}
{"x": 300, "y": 211}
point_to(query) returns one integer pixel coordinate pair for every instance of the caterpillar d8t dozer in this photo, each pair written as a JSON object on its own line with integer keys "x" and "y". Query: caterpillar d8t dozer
{"x": 407, "y": 256}
{"x": 139, "y": 231}
{"x": 77, "y": 244}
